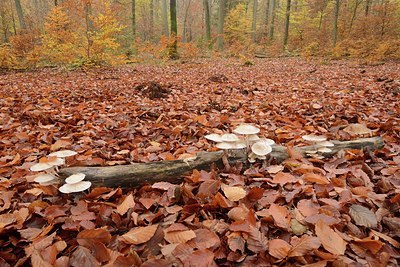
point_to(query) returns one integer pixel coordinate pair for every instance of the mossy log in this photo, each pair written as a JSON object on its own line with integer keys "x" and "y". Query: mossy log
{"x": 174, "y": 170}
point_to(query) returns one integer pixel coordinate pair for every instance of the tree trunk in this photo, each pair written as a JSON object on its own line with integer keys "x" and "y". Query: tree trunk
{"x": 254, "y": 21}
{"x": 151, "y": 17}
{"x": 335, "y": 22}
{"x": 173, "y": 49}
{"x": 367, "y": 7}
{"x": 3, "y": 22}
{"x": 133, "y": 19}
{"x": 272, "y": 24}
{"x": 287, "y": 22}
{"x": 20, "y": 14}
{"x": 89, "y": 27}
{"x": 55, "y": 3}
{"x": 266, "y": 20}
{"x": 173, "y": 171}
{"x": 185, "y": 23}
{"x": 164, "y": 15}
{"x": 207, "y": 20}
{"x": 220, "y": 28}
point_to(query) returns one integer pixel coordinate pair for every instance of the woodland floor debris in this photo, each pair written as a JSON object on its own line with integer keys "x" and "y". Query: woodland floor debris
{"x": 299, "y": 212}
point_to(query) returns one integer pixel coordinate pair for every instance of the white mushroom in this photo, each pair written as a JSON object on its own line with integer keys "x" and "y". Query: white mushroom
{"x": 324, "y": 150}
{"x": 267, "y": 141}
{"x": 253, "y": 137}
{"x": 41, "y": 166}
{"x": 63, "y": 154}
{"x": 325, "y": 144}
{"x": 261, "y": 148}
{"x": 231, "y": 145}
{"x": 76, "y": 187}
{"x": 57, "y": 162}
{"x": 75, "y": 178}
{"x": 44, "y": 178}
{"x": 230, "y": 138}
{"x": 246, "y": 129}
{"x": 314, "y": 138}
{"x": 213, "y": 137}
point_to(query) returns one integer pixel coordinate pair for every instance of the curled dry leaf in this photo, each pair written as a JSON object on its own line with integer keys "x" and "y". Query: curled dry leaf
{"x": 233, "y": 193}
{"x": 127, "y": 204}
{"x": 363, "y": 216}
{"x": 279, "y": 248}
{"x": 139, "y": 235}
{"x": 330, "y": 240}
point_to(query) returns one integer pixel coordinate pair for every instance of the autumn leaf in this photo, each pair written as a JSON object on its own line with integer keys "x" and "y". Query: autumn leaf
{"x": 127, "y": 204}
{"x": 100, "y": 235}
{"x": 302, "y": 246}
{"x": 279, "y": 248}
{"x": 139, "y": 235}
{"x": 315, "y": 178}
{"x": 281, "y": 216}
{"x": 330, "y": 240}
{"x": 233, "y": 193}
{"x": 283, "y": 178}
{"x": 363, "y": 216}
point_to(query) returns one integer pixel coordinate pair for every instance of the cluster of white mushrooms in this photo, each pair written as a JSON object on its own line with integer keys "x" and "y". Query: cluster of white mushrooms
{"x": 73, "y": 184}
{"x": 320, "y": 145}
{"x": 244, "y": 137}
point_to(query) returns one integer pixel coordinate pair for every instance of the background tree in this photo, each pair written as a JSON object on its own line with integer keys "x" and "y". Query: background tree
{"x": 220, "y": 29}
{"x": 173, "y": 49}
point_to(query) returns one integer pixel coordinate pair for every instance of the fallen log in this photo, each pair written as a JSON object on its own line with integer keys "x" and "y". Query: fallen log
{"x": 173, "y": 171}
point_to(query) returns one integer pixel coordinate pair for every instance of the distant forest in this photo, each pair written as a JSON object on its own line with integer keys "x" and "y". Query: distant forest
{"x": 83, "y": 32}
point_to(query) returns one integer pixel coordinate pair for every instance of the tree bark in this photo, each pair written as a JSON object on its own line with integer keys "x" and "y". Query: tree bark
{"x": 151, "y": 17}
{"x": 254, "y": 21}
{"x": 173, "y": 49}
{"x": 207, "y": 20}
{"x": 272, "y": 24}
{"x": 89, "y": 27}
{"x": 172, "y": 171}
{"x": 266, "y": 20}
{"x": 164, "y": 15}
{"x": 220, "y": 28}
{"x": 133, "y": 19}
{"x": 20, "y": 14}
{"x": 287, "y": 22}
{"x": 335, "y": 22}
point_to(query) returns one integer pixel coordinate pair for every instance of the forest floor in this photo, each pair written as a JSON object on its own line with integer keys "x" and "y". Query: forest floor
{"x": 342, "y": 211}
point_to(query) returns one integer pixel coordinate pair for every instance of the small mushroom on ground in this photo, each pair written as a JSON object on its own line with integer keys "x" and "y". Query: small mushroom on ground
{"x": 75, "y": 188}
{"x": 231, "y": 145}
{"x": 246, "y": 129}
{"x": 63, "y": 154}
{"x": 213, "y": 137}
{"x": 230, "y": 138}
{"x": 261, "y": 148}
{"x": 75, "y": 178}
{"x": 325, "y": 144}
{"x": 44, "y": 178}
{"x": 314, "y": 138}
{"x": 324, "y": 150}
{"x": 41, "y": 166}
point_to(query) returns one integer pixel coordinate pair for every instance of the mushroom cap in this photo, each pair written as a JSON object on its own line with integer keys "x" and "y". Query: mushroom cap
{"x": 63, "y": 153}
{"x": 261, "y": 148}
{"x": 231, "y": 145}
{"x": 314, "y": 138}
{"x": 74, "y": 188}
{"x": 44, "y": 178}
{"x": 357, "y": 129}
{"x": 57, "y": 162}
{"x": 229, "y": 138}
{"x": 267, "y": 141}
{"x": 213, "y": 137}
{"x": 41, "y": 166}
{"x": 246, "y": 129}
{"x": 311, "y": 151}
{"x": 75, "y": 178}
{"x": 324, "y": 150}
{"x": 325, "y": 144}
{"x": 253, "y": 137}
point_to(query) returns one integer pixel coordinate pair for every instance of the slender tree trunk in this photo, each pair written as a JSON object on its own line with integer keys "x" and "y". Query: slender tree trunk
{"x": 354, "y": 14}
{"x": 164, "y": 15}
{"x": 367, "y": 7}
{"x": 20, "y": 14}
{"x": 3, "y": 22}
{"x": 207, "y": 20}
{"x": 266, "y": 20}
{"x": 55, "y": 3}
{"x": 335, "y": 22}
{"x": 221, "y": 18}
{"x": 89, "y": 27}
{"x": 151, "y": 16}
{"x": 173, "y": 50}
{"x": 287, "y": 22}
{"x": 185, "y": 23}
{"x": 133, "y": 19}
{"x": 272, "y": 24}
{"x": 254, "y": 22}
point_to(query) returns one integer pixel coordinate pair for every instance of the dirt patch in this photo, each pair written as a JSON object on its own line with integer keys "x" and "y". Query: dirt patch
{"x": 152, "y": 90}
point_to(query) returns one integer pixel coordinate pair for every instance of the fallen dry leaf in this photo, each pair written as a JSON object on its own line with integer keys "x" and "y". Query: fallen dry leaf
{"x": 330, "y": 240}
{"x": 139, "y": 235}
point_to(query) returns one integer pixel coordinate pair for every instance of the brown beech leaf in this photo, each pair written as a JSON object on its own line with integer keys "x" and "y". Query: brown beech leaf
{"x": 179, "y": 236}
{"x": 38, "y": 261}
{"x": 303, "y": 245}
{"x": 283, "y": 178}
{"x": 281, "y": 216}
{"x": 204, "y": 239}
{"x": 202, "y": 257}
{"x": 139, "y": 235}
{"x": 315, "y": 178}
{"x": 100, "y": 235}
{"x": 127, "y": 204}
{"x": 6, "y": 219}
{"x": 279, "y": 248}
{"x": 60, "y": 144}
{"x": 83, "y": 257}
{"x": 236, "y": 242}
{"x": 330, "y": 240}
{"x": 363, "y": 216}
{"x": 256, "y": 241}
{"x": 208, "y": 189}
{"x": 233, "y": 193}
